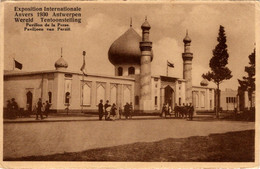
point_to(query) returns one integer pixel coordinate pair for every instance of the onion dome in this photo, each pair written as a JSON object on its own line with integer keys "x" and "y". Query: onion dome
{"x": 146, "y": 25}
{"x": 204, "y": 82}
{"x": 61, "y": 63}
{"x": 187, "y": 39}
{"x": 126, "y": 48}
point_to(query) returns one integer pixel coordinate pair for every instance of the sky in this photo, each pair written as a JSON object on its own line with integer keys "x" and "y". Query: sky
{"x": 103, "y": 23}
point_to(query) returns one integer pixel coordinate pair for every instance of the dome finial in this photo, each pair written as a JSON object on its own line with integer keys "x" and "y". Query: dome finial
{"x": 61, "y": 53}
{"x": 187, "y": 38}
{"x": 146, "y": 25}
{"x": 131, "y": 22}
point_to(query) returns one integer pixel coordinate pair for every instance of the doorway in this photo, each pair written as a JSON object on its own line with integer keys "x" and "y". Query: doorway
{"x": 169, "y": 96}
{"x": 29, "y": 100}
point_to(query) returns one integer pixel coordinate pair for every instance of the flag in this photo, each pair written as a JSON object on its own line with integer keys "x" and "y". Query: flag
{"x": 83, "y": 67}
{"x": 170, "y": 64}
{"x": 18, "y": 65}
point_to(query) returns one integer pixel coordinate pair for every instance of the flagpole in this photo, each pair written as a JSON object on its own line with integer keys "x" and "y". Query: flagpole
{"x": 42, "y": 87}
{"x": 13, "y": 63}
{"x": 167, "y": 67}
{"x": 82, "y": 93}
{"x": 84, "y": 53}
{"x": 82, "y": 90}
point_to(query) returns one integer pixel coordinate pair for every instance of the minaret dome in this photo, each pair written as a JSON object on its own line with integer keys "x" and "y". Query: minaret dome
{"x": 146, "y": 25}
{"x": 187, "y": 39}
{"x": 61, "y": 63}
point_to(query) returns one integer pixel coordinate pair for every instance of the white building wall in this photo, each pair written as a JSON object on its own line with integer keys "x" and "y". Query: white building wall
{"x": 76, "y": 91}
{"x": 155, "y": 88}
{"x": 17, "y": 87}
{"x": 228, "y": 93}
{"x": 177, "y": 92}
{"x": 60, "y": 92}
{"x": 201, "y": 98}
{"x": 55, "y": 96}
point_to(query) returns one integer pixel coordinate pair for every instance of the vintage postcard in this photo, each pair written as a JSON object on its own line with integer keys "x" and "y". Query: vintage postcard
{"x": 129, "y": 84}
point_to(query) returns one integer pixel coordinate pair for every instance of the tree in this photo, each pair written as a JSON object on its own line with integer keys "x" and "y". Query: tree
{"x": 219, "y": 72}
{"x": 248, "y": 82}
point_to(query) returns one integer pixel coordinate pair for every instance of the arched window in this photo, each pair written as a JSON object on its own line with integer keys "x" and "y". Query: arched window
{"x": 67, "y": 97}
{"x": 155, "y": 100}
{"x": 120, "y": 71}
{"x": 50, "y": 96}
{"x": 131, "y": 70}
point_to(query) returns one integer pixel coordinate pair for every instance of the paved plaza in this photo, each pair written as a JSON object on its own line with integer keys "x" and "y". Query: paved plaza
{"x": 44, "y": 138}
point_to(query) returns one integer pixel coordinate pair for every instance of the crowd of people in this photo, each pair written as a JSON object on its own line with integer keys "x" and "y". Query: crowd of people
{"x": 42, "y": 108}
{"x": 12, "y": 109}
{"x": 113, "y": 112}
{"x": 39, "y": 109}
{"x": 184, "y": 111}
{"x": 108, "y": 111}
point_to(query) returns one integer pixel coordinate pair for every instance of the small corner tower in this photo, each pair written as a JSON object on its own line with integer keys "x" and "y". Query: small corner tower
{"x": 61, "y": 64}
{"x": 187, "y": 57}
{"x": 145, "y": 70}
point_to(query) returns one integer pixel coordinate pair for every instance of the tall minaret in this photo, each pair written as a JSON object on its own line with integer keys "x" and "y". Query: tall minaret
{"x": 187, "y": 57}
{"x": 145, "y": 72}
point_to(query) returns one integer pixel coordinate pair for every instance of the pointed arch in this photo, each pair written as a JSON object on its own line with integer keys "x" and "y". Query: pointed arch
{"x": 101, "y": 92}
{"x": 113, "y": 94}
{"x": 86, "y": 89}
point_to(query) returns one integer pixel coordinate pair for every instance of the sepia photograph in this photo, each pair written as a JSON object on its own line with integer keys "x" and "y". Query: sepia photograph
{"x": 129, "y": 82}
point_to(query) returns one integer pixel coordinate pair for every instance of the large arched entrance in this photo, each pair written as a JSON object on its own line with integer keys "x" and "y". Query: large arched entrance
{"x": 29, "y": 100}
{"x": 169, "y": 96}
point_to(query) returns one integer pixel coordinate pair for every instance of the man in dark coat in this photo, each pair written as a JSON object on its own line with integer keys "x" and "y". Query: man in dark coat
{"x": 47, "y": 108}
{"x": 100, "y": 110}
{"x": 14, "y": 108}
{"x": 163, "y": 110}
{"x": 191, "y": 111}
{"x": 39, "y": 109}
{"x": 126, "y": 110}
{"x": 130, "y": 110}
{"x": 182, "y": 110}
{"x": 176, "y": 110}
{"x": 186, "y": 108}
